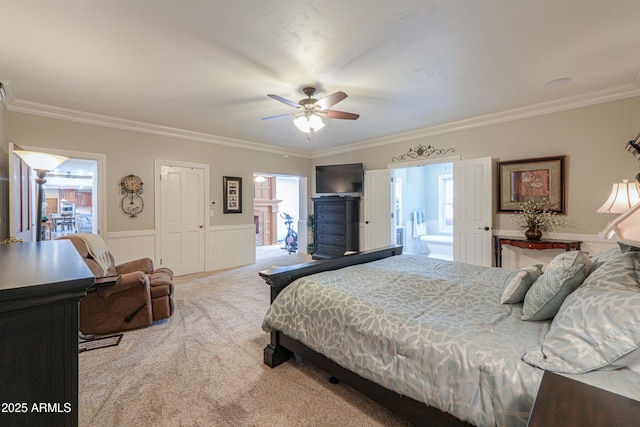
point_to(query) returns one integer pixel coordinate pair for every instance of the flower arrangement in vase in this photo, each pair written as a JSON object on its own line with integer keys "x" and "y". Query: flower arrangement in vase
{"x": 534, "y": 217}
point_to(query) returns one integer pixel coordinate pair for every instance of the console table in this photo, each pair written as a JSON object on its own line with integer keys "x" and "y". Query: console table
{"x": 41, "y": 284}
{"x": 565, "y": 402}
{"x": 567, "y": 245}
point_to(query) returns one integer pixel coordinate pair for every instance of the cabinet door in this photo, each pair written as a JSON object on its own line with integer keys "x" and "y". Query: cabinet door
{"x": 67, "y": 196}
{"x": 83, "y": 199}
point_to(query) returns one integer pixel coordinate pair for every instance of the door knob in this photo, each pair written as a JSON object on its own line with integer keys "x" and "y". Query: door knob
{"x": 201, "y": 226}
{"x": 485, "y": 228}
{"x": 366, "y": 222}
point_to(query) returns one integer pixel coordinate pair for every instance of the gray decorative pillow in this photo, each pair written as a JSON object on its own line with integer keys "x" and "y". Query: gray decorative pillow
{"x": 569, "y": 258}
{"x": 546, "y": 295}
{"x": 598, "y": 325}
{"x": 627, "y": 246}
{"x": 519, "y": 282}
{"x": 604, "y": 256}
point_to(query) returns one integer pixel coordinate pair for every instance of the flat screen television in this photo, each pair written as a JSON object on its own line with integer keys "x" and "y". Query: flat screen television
{"x": 347, "y": 178}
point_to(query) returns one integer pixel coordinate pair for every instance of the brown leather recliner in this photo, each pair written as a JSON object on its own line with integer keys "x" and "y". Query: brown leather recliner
{"x": 140, "y": 296}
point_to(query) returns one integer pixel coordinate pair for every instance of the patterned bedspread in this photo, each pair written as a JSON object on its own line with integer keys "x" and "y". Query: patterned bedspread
{"x": 429, "y": 329}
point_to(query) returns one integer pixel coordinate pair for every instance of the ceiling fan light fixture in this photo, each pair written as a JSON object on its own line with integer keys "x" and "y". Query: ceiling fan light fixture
{"x": 307, "y": 123}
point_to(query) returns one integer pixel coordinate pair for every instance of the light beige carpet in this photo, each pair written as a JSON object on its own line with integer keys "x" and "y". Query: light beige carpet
{"x": 204, "y": 367}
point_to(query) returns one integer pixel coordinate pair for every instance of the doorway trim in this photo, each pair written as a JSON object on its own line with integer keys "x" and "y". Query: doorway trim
{"x": 424, "y": 162}
{"x": 99, "y": 182}
{"x": 303, "y": 210}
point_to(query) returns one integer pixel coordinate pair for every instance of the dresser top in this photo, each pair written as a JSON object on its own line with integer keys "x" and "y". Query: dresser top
{"x": 33, "y": 268}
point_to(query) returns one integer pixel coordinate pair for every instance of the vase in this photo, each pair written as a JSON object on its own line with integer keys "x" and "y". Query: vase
{"x": 533, "y": 234}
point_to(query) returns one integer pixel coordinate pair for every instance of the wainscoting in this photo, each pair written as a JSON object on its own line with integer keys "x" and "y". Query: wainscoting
{"x": 515, "y": 258}
{"x": 226, "y": 246}
{"x": 130, "y": 245}
{"x": 230, "y": 246}
{"x": 234, "y": 246}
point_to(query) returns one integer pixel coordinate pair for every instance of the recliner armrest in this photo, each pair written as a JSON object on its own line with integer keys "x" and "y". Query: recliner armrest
{"x": 127, "y": 281}
{"x": 143, "y": 264}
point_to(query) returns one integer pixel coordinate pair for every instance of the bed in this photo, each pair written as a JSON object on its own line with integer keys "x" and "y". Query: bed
{"x": 444, "y": 343}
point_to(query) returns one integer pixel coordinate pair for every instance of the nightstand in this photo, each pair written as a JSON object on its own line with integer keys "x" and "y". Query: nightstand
{"x": 565, "y": 402}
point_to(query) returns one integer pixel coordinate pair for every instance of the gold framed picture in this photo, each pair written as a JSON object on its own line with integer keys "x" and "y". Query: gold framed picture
{"x": 531, "y": 179}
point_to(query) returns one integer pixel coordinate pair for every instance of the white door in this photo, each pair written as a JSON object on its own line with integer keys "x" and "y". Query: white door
{"x": 181, "y": 218}
{"x": 378, "y": 230}
{"x": 472, "y": 223}
{"x": 21, "y": 221}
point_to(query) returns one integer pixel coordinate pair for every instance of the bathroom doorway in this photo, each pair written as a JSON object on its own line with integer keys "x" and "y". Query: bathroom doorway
{"x": 423, "y": 209}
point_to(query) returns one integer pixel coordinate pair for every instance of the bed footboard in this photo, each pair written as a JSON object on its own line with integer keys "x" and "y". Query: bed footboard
{"x": 280, "y": 277}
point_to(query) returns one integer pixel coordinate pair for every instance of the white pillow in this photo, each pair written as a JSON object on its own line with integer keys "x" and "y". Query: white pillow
{"x": 519, "y": 282}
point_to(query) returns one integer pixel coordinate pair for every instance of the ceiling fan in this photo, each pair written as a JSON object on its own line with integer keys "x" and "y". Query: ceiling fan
{"x": 309, "y": 117}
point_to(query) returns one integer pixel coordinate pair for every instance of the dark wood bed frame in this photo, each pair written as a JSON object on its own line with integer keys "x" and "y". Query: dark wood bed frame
{"x": 281, "y": 347}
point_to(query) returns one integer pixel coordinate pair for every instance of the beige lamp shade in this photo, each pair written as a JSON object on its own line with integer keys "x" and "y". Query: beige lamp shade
{"x": 625, "y": 228}
{"x": 623, "y": 196}
{"x": 41, "y": 161}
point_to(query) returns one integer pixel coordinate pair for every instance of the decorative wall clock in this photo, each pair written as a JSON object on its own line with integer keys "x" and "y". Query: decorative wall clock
{"x": 131, "y": 188}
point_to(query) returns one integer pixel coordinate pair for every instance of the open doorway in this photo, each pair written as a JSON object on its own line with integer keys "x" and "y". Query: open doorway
{"x": 423, "y": 209}
{"x": 69, "y": 194}
{"x": 277, "y": 214}
{"x": 73, "y": 195}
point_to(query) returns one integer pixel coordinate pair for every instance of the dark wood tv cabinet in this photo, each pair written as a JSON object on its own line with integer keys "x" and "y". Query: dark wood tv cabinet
{"x": 337, "y": 226}
{"x": 41, "y": 284}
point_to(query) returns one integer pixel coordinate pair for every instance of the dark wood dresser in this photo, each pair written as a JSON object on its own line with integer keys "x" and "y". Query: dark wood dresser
{"x": 564, "y": 402}
{"x": 41, "y": 284}
{"x": 337, "y": 226}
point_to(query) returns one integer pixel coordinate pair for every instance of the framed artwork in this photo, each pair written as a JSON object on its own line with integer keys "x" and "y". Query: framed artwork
{"x": 531, "y": 179}
{"x": 232, "y": 189}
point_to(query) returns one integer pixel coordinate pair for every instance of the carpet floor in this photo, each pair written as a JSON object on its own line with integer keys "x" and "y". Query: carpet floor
{"x": 203, "y": 367}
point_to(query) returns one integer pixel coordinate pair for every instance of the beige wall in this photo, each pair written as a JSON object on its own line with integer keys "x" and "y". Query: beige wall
{"x": 130, "y": 152}
{"x": 593, "y": 139}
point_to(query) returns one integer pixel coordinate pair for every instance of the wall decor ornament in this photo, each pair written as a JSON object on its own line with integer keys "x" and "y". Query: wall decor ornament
{"x": 531, "y": 180}
{"x": 232, "y": 191}
{"x": 131, "y": 188}
{"x": 423, "y": 151}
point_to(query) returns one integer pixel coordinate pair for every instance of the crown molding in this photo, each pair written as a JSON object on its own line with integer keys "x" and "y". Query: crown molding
{"x": 540, "y": 109}
{"x": 43, "y": 110}
{"x": 534, "y": 110}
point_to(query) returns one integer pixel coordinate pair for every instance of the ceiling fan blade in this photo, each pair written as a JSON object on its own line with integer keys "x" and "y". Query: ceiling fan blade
{"x": 283, "y": 100}
{"x": 330, "y": 100}
{"x": 333, "y": 114}
{"x": 279, "y": 116}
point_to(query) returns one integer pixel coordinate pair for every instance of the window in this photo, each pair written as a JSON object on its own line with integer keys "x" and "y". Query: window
{"x": 445, "y": 202}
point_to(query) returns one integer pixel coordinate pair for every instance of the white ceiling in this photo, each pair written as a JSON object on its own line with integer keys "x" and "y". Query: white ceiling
{"x": 206, "y": 66}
